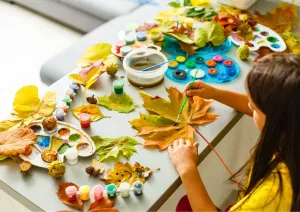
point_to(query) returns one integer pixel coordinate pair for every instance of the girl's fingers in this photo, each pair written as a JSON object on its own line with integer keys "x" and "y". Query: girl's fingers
{"x": 176, "y": 144}
{"x": 170, "y": 150}
{"x": 196, "y": 92}
{"x": 181, "y": 142}
{"x": 195, "y": 147}
{"x": 188, "y": 143}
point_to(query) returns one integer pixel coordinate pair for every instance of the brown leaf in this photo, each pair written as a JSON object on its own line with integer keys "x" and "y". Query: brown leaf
{"x": 190, "y": 49}
{"x": 126, "y": 173}
{"x": 105, "y": 204}
{"x": 16, "y": 141}
{"x": 63, "y": 197}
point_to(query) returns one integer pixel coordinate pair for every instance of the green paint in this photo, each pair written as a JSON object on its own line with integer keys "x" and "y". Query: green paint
{"x": 190, "y": 64}
{"x": 272, "y": 39}
{"x": 256, "y": 29}
{"x": 118, "y": 86}
{"x": 74, "y": 138}
{"x": 199, "y": 59}
{"x": 63, "y": 148}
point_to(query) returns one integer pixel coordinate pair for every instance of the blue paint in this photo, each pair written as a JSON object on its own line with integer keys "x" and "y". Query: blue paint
{"x": 231, "y": 71}
{"x": 276, "y": 46}
{"x": 43, "y": 141}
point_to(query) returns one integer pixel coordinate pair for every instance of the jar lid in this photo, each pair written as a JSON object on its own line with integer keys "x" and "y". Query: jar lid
{"x": 118, "y": 83}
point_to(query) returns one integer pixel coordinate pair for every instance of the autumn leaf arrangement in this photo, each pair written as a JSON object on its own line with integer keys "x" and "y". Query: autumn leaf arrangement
{"x": 15, "y": 137}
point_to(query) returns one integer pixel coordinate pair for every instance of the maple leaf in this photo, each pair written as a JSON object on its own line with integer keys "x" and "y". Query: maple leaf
{"x": 202, "y": 14}
{"x": 105, "y": 204}
{"x": 190, "y": 49}
{"x": 209, "y": 32}
{"x": 91, "y": 109}
{"x": 61, "y": 193}
{"x": 292, "y": 41}
{"x": 3, "y": 157}
{"x": 159, "y": 130}
{"x": 15, "y": 142}
{"x": 126, "y": 173}
{"x": 181, "y": 37}
{"x": 244, "y": 32}
{"x": 112, "y": 148}
{"x": 122, "y": 104}
{"x": 94, "y": 54}
{"x": 283, "y": 18}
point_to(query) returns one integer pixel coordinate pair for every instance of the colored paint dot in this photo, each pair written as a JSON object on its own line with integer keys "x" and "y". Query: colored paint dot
{"x": 173, "y": 64}
{"x": 199, "y": 74}
{"x": 190, "y": 64}
{"x": 179, "y": 74}
{"x": 212, "y": 71}
{"x": 249, "y": 44}
{"x": 231, "y": 71}
{"x": 228, "y": 62}
{"x": 199, "y": 59}
{"x": 180, "y": 59}
{"x": 64, "y": 132}
{"x": 276, "y": 46}
{"x": 264, "y": 33}
{"x": 63, "y": 148}
{"x": 272, "y": 39}
{"x": 36, "y": 128}
{"x": 218, "y": 58}
{"x": 261, "y": 42}
{"x": 211, "y": 63}
{"x": 222, "y": 76}
{"x": 256, "y": 29}
{"x": 74, "y": 138}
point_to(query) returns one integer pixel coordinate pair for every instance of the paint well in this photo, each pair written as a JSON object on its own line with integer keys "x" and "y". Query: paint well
{"x": 64, "y": 148}
{"x": 83, "y": 147}
{"x": 74, "y": 138}
{"x": 64, "y": 132}
{"x": 256, "y": 29}
{"x": 43, "y": 141}
{"x": 272, "y": 39}
{"x": 264, "y": 33}
{"x": 275, "y": 45}
{"x": 36, "y": 128}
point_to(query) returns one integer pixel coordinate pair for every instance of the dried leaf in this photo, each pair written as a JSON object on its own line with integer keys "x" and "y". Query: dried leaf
{"x": 16, "y": 141}
{"x": 292, "y": 41}
{"x": 159, "y": 130}
{"x": 126, "y": 173}
{"x": 91, "y": 109}
{"x": 7, "y": 124}
{"x": 95, "y": 53}
{"x": 209, "y": 32}
{"x": 190, "y": 49}
{"x": 262, "y": 51}
{"x": 122, "y": 104}
{"x": 98, "y": 166}
{"x": 89, "y": 80}
{"x": 181, "y": 37}
{"x": 230, "y": 10}
{"x": 146, "y": 27}
{"x": 112, "y": 148}
{"x": 283, "y": 18}
{"x": 244, "y": 32}
{"x": 61, "y": 193}
{"x": 105, "y": 204}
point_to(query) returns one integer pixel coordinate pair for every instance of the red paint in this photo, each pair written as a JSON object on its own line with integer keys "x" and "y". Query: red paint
{"x": 228, "y": 62}
{"x": 71, "y": 192}
{"x": 85, "y": 120}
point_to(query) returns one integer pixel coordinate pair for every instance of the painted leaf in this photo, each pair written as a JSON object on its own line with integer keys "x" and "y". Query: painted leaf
{"x": 174, "y": 4}
{"x": 283, "y": 18}
{"x": 61, "y": 193}
{"x": 122, "y": 104}
{"x": 244, "y": 32}
{"x": 16, "y": 141}
{"x": 76, "y": 78}
{"x": 91, "y": 109}
{"x": 126, "y": 173}
{"x": 7, "y": 124}
{"x": 112, "y": 148}
{"x": 26, "y": 100}
{"x": 181, "y": 37}
{"x": 159, "y": 130}
{"x": 105, "y": 204}
{"x": 209, "y": 32}
{"x": 95, "y": 53}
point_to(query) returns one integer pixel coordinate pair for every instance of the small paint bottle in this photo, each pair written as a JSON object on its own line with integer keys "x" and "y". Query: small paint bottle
{"x": 84, "y": 192}
{"x": 70, "y": 92}
{"x": 71, "y": 192}
{"x": 125, "y": 50}
{"x": 141, "y": 36}
{"x": 98, "y": 192}
{"x": 111, "y": 191}
{"x": 75, "y": 87}
{"x": 72, "y": 156}
{"x": 85, "y": 120}
{"x": 125, "y": 189}
{"x": 62, "y": 105}
{"x": 118, "y": 86}
{"x": 67, "y": 100}
{"x": 60, "y": 114}
{"x": 138, "y": 187}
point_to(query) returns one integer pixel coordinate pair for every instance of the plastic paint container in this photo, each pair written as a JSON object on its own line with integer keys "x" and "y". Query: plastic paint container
{"x": 85, "y": 120}
{"x": 118, "y": 86}
{"x": 111, "y": 191}
{"x": 125, "y": 189}
{"x": 72, "y": 156}
{"x": 84, "y": 192}
{"x": 71, "y": 192}
{"x": 98, "y": 192}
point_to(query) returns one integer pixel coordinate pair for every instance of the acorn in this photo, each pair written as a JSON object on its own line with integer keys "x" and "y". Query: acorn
{"x": 96, "y": 172}
{"x": 91, "y": 100}
{"x": 89, "y": 170}
{"x": 25, "y": 166}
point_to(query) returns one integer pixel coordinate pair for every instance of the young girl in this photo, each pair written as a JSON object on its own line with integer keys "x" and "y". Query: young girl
{"x": 273, "y": 100}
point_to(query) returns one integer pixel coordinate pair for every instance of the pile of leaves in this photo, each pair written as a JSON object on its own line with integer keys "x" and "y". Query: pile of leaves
{"x": 104, "y": 204}
{"x": 27, "y": 107}
{"x": 112, "y": 148}
{"x": 159, "y": 129}
{"x": 126, "y": 173}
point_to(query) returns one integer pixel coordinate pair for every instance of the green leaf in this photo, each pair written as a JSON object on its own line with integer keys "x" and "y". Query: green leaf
{"x": 186, "y": 3}
{"x": 209, "y": 32}
{"x": 112, "y": 148}
{"x": 3, "y": 157}
{"x": 174, "y": 4}
{"x": 122, "y": 104}
{"x": 182, "y": 37}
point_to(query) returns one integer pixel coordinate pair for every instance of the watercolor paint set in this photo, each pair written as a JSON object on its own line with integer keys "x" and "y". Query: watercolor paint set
{"x": 53, "y": 145}
{"x": 263, "y": 36}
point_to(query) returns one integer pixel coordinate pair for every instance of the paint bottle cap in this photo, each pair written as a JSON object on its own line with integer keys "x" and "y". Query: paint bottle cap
{"x": 62, "y": 105}
{"x": 74, "y": 86}
{"x": 111, "y": 188}
{"x": 119, "y": 44}
{"x": 218, "y": 58}
{"x": 180, "y": 59}
{"x": 173, "y": 64}
{"x": 84, "y": 189}
{"x": 141, "y": 36}
{"x": 125, "y": 50}
{"x": 67, "y": 99}
{"x": 124, "y": 186}
{"x": 70, "y": 92}
{"x": 85, "y": 118}
{"x": 190, "y": 64}
{"x": 228, "y": 62}
{"x": 71, "y": 190}
{"x": 211, "y": 63}
{"x": 118, "y": 83}
{"x": 71, "y": 154}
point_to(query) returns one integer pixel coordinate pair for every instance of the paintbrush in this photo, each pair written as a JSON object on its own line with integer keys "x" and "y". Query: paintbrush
{"x": 185, "y": 99}
{"x": 157, "y": 65}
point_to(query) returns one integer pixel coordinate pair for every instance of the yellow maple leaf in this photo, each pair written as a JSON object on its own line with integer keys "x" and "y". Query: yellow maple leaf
{"x": 93, "y": 110}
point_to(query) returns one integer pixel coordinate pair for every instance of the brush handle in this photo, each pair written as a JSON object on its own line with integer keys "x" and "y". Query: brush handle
{"x": 160, "y": 64}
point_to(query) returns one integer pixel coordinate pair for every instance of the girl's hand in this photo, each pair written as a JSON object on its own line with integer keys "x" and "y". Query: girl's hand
{"x": 200, "y": 89}
{"x": 184, "y": 155}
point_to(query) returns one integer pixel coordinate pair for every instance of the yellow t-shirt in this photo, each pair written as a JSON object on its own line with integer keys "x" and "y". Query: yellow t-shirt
{"x": 267, "y": 196}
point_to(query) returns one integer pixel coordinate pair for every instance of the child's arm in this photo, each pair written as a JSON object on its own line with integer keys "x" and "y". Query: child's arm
{"x": 184, "y": 156}
{"x": 235, "y": 100}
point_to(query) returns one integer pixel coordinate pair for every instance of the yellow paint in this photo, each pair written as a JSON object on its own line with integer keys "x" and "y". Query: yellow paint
{"x": 84, "y": 192}
{"x": 180, "y": 59}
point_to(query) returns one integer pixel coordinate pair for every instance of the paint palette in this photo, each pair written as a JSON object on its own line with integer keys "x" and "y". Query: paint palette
{"x": 66, "y": 136}
{"x": 263, "y": 36}
{"x": 212, "y": 68}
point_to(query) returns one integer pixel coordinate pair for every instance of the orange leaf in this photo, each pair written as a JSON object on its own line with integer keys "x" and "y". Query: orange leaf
{"x": 159, "y": 130}
{"x": 16, "y": 141}
{"x": 105, "y": 204}
{"x": 283, "y": 18}
{"x": 190, "y": 49}
{"x": 61, "y": 193}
